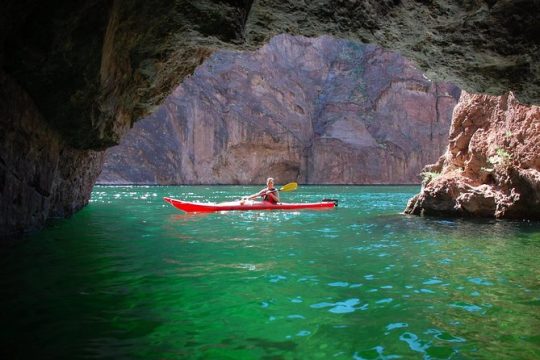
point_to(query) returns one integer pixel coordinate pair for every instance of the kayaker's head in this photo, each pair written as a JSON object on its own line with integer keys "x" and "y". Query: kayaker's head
{"x": 270, "y": 183}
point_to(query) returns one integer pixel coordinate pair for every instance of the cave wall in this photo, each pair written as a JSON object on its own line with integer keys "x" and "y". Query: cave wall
{"x": 483, "y": 46}
{"x": 93, "y": 67}
{"x": 41, "y": 176}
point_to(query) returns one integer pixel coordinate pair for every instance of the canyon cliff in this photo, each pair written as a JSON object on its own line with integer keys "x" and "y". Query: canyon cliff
{"x": 492, "y": 165}
{"x": 312, "y": 110}
{"x": 92, "y": 68}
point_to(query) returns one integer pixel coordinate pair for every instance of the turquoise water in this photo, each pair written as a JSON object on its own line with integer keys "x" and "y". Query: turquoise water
{"x": 130, "y": 277}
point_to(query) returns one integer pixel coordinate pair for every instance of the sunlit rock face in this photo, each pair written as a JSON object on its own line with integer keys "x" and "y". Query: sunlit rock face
{"x": 313, "y": 110}
{"x": 492, "y": 165}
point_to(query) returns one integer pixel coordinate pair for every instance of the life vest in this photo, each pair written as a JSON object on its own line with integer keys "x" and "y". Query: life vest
{"x": 269, "y": 198}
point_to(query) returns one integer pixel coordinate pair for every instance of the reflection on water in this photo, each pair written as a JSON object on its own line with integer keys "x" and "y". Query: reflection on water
{"x": 131, "y": 277}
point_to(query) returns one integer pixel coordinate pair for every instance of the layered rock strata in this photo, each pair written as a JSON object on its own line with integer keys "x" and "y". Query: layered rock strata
{"x": 299, "y": 109}
{"x": 492, "y": 165}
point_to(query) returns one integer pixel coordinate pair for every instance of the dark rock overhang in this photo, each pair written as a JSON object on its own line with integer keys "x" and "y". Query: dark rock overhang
{"x": 94, "y": 67}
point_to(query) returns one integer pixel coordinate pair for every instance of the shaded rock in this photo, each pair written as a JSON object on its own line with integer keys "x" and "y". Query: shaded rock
{"x": 492, "y": 165}
{"x": 94, "y": 67}
{"x": 313, "y": 110}
{"x": 40, "y": 175}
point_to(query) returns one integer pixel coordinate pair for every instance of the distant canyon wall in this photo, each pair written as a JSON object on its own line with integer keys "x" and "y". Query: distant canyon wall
{"x": 312, "y": 110}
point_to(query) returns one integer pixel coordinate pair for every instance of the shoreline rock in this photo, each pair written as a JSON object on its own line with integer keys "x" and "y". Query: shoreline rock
{"x": 492, "y": 165}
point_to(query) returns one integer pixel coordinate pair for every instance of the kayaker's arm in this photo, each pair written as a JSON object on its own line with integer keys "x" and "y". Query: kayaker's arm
{"x": 260, "y": 193}
{"x": 273, "y": 194}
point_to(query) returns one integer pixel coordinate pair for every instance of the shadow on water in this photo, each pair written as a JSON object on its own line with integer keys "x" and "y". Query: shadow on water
{"x": 187, "y": 217}
{"x": 362, "y": 280}
{"x": 465, "y": 228}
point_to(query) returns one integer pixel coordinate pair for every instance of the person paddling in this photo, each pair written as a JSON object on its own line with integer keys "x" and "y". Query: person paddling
{"x": 269, "y": 193}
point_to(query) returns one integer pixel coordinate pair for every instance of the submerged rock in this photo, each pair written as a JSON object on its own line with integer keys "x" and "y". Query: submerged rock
{"x": 492, "y": 165}
{"x": 313, "y": 110}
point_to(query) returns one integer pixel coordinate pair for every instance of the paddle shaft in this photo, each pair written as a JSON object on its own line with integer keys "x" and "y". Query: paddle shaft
{"x": 288, "y": 187}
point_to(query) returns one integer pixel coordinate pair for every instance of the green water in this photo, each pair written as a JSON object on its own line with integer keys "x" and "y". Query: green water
{"x": 130, "y": 277}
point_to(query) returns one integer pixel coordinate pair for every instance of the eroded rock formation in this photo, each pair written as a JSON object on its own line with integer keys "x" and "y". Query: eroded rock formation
{"x": 492, "y": 165}
{"x": 313, "y": 110}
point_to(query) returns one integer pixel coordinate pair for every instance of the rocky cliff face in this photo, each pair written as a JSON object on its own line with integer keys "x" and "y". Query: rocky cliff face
{"x": 300, "y": 109}
{"x": 93, "y": 67}
{"x": 41, "y": 175}
{"x": 492, "y": 165}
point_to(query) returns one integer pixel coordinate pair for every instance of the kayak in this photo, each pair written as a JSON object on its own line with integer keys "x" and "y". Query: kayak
{"x": 247, "y": 205}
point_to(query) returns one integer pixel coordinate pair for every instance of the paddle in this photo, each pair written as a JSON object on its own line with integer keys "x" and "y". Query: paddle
{"x": 287, "y": 187}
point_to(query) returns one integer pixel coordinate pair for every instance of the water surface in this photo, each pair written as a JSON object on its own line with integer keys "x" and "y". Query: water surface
{"x": 131, "y": 277}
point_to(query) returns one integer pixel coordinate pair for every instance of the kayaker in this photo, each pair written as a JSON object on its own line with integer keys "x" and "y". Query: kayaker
{"x": 269, "y": 193}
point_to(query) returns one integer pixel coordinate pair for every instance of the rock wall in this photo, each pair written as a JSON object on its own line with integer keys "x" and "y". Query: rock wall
{"x": 94, "y": 67}
{"x": 492, "y": 165}
{"x": 313, "y": 110}
{"x": 40, "y": 175}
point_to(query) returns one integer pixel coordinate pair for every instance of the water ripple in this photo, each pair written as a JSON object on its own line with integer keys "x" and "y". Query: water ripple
{"x": 361, "y": 281}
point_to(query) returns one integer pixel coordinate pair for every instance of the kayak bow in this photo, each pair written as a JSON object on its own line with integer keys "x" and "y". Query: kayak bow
{"x": 247, "y": 205}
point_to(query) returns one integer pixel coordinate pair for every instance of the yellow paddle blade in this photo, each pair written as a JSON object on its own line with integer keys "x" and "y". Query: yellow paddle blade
{"x": 289, "y": 187}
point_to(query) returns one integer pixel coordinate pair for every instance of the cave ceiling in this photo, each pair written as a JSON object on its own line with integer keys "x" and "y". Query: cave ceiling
{"x": 94, "y": 67}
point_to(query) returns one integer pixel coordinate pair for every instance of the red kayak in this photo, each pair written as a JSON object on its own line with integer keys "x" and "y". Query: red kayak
{"x": 247, "y": 205}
